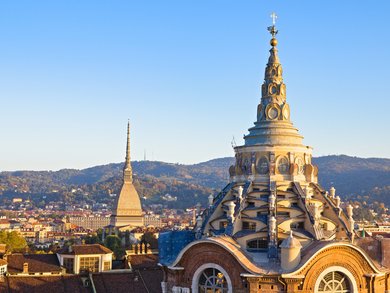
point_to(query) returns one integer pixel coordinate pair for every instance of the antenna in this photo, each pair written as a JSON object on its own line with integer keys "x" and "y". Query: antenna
{"x": 234, "y": 144}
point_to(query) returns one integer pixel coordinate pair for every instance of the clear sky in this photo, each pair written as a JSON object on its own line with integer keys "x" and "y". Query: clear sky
{"x": 188, "y": 75}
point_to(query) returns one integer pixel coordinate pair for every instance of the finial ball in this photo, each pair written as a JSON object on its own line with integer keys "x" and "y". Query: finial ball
{"x": 274, "y": 42}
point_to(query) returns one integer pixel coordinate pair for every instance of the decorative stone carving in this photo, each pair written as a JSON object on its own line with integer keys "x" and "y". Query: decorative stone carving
{"x": 198, "y": 207}
{"x": 338, "y": 201}
{"x": 350, "y": 211}
{"x": 300, "y": 163}
{"x": 240, "y": 190}
{"x": 230, "y": 213}
{"x": 272, "y": 199}
{"x": 283, "y": 165}
{"x": 272, "y": 111}
{"x": 272, "y": 224}
{"x": 332, "y": 192}
{"x": 247, "y": 166}
{"x": 211, "y": 199}
{"x": 285, "y": 112}
{"x": 199, "y": 222}
{"x": 263, "y": 166}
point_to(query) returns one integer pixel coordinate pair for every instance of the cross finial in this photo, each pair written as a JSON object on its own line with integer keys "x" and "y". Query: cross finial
{"x": 274, "y": 17}
{"x": 272, "y": 29}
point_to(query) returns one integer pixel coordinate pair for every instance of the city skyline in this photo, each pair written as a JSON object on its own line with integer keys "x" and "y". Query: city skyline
{"x": 188, "y": 77}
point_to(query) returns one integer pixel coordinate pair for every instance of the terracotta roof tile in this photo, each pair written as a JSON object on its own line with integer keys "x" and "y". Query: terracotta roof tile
{"x": 86, "y": 249}
{"x": 37, "y": 263}
{"x": 57, "y": 284}
{"x": 140, "y": 281}
{"x": 141, "y": 261}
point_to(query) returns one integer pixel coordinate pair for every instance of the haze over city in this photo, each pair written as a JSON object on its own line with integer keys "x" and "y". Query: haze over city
{"x": 187, "y": 75}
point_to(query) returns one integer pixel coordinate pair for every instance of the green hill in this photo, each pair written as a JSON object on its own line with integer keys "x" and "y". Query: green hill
{"x": 353, "y": 178}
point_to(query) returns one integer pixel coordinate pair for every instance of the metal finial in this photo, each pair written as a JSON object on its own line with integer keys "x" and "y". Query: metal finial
{"x": 272, "y": 29}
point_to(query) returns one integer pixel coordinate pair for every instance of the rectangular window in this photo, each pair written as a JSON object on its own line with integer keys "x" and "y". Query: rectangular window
{"x": 257, "y": 245}
{"x": 68, "y": 265}
{"x": 261, "y": 214}
{"x": 249, "y": 226}
{"x": 106, "y": 266}
{"x": 284, "y": 214}
{"x": 89, "y": 264}
{"x": 297, "y": 225}
{"x": 250, "y": 204}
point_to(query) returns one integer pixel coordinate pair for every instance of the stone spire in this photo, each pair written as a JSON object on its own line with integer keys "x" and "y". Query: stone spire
{"x": 127, "y": 170}
{"x": 273, "y": 88}
{"x": 273, "y": 125}
{"x": 127, "y": 209}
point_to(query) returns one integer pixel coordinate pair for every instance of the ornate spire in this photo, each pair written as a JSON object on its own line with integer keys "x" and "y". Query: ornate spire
{"x": 127, "y": 171}
{"x": 273, "y": 89}
{"x": 273, "y": 125}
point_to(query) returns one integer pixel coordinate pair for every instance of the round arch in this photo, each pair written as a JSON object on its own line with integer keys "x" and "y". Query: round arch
{"x": 198, "y": 272}
{"x": 348, "y": 274}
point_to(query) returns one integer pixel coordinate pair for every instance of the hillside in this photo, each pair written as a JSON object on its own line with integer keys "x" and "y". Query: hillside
{"x": 353, "y": 177}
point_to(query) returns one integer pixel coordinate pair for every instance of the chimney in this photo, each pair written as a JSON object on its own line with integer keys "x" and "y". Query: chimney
{"x": 25, "y": 268}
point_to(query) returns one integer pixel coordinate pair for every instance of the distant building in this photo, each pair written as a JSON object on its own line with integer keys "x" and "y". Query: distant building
{"x": 152, "y": 220}
{"x": 85, "y": 258}
{"x": 92, "y": 223}
{"x": 127, "y": 210}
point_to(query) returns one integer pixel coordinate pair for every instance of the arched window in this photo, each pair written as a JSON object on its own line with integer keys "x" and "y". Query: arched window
{"x": 212, "y": 280}
{"x": 334, "y": 282}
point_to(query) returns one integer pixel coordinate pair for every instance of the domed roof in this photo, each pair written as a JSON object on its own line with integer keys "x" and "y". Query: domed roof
{"x": 291, "y": 242}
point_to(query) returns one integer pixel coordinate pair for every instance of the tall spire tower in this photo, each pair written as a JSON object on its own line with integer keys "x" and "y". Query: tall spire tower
{"x": 127, "y": 211}
{"x": 127, "y": 170}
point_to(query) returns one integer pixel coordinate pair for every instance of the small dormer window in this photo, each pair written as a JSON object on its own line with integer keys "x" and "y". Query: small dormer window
{"x": 250, "y": 226}
{"x": 250, "y": 204}
{"x": 259, "y": 244}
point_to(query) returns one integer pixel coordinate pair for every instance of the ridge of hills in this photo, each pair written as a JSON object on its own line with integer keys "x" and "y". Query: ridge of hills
{"x": 354, "y": 179}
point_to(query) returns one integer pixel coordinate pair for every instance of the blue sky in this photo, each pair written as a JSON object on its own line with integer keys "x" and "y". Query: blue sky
{"x": 188, "y": 75}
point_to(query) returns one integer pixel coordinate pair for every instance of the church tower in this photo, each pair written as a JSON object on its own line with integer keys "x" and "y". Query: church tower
{"x": 127, "y": 209}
